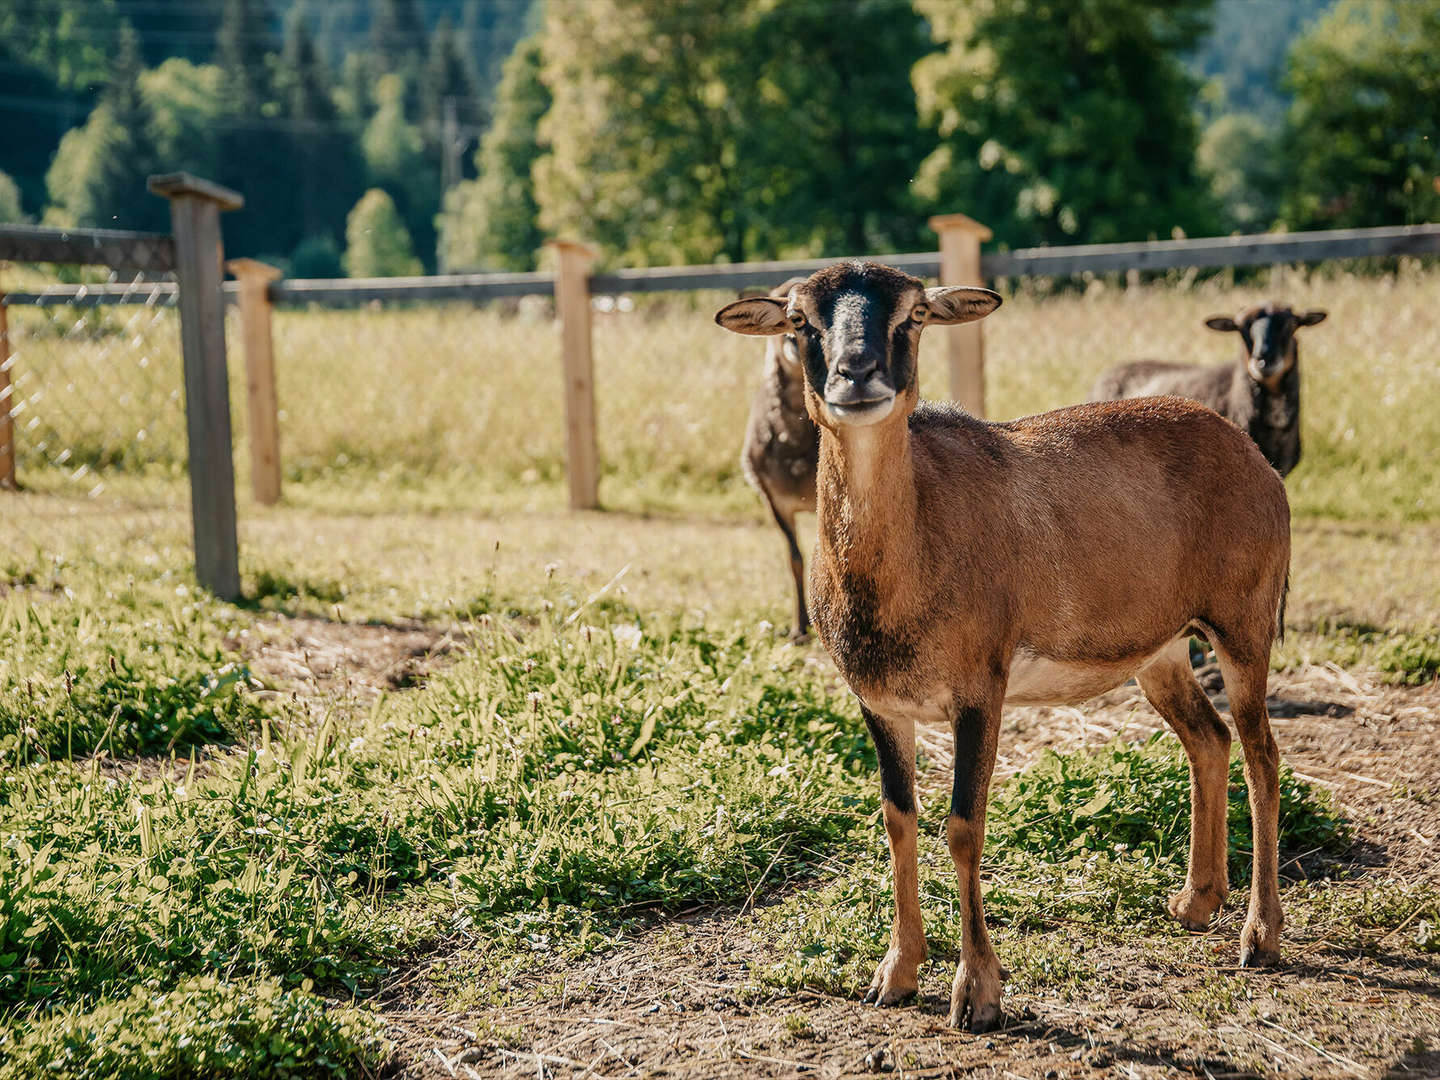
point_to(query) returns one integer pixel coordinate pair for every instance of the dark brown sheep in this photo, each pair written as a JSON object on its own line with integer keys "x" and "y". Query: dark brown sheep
{"x": 1260, "y": 395}
{"x": 782, "y": 445}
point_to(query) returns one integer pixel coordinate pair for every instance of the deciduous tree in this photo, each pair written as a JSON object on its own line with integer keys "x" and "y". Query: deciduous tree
{"x": 1364, "y": 130}
{"x": 1062, "y": 123}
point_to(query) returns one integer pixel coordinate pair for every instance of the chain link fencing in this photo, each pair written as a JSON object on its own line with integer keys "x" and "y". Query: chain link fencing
{"x": 93, "y": 431}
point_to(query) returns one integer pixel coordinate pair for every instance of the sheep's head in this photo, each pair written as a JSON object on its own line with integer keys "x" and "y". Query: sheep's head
{"x": 856, "y": 328}
{"x": 1268, "y": 335}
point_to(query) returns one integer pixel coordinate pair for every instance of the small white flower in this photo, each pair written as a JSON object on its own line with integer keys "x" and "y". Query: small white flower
{"x": 627, "y": 634}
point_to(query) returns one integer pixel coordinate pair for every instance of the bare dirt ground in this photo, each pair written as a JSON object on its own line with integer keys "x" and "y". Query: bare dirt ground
{"x": 327, "y": 662}
{"x": 677, "y": 1000}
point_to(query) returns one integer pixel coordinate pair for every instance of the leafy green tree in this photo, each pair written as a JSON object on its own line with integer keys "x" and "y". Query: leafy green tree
{"x": 187, "y": 106}
{"x": 650, "y": 128}
{"x": 493, "y": 221}
{"x": 1363, "y": 134}
{"x": 395, "y": 160}
{"x": 99, "y": 172}
{"x": 847, "y": 140}
{"x": 316, "y": 257}
{"x": 11, "y": 211}
{"x": 1242, "y": 158}
{"x": 683, "y": 130}
{"x": 377, "y": 242}
{"x": 1063, "y": 123}
{"x": 70, "y": 40}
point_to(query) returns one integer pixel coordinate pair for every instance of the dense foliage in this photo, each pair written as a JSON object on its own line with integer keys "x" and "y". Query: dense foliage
{"x": 683, "y": 130}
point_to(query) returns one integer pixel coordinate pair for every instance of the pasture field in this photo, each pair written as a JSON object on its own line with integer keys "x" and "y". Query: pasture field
{"x": 469, "y": 785}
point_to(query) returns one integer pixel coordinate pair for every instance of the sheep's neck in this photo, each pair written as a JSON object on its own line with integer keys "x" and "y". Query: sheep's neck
{"x": 866, "y": 499}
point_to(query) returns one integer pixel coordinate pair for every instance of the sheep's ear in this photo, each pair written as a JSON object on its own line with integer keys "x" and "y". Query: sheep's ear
{"x": 951, "y": 304}
{"x": 1222, "y": 322}
{"x": 759, "y": 316}
{"x": 1310, "y": 318}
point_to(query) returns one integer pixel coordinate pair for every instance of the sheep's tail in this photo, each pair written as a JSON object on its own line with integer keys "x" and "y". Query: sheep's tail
{"x": 1280, "y": 615}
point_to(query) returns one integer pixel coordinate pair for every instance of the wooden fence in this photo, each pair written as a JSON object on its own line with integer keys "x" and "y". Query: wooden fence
{"x": 959, "y": 261}
{"x": 193, "y": 253}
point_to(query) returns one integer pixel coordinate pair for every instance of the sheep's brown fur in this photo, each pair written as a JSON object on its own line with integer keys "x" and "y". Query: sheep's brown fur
{"x": 962, "y": 564}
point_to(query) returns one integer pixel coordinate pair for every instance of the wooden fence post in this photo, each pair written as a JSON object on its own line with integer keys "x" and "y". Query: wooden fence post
{"x": 572, "y": 299}
{"x": 7, "y": 404}
{"x": 960, "y": 240}
{"x": 255, "y": 311}
{"x": 195, "y": 207}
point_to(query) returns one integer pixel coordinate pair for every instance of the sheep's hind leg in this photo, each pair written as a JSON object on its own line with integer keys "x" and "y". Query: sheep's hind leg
{"x": 1246, "y": 671}
{"x": 1171, "y": 687}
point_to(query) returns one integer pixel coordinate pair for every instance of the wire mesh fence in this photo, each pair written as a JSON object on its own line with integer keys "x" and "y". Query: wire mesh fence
{"x": 96, "y": 427}
{"x": 468, "y": 400}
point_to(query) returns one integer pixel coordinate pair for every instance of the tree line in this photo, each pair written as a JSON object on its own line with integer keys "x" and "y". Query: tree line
{"x": 689, "y": 131}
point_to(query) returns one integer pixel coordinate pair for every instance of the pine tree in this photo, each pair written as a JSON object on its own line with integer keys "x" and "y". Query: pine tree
{"x": 242, "y": 45}
{"x": 322, "y": 154}
{"x": 397, "y": 36}
{"x": 99, "y": 172}
{"x": 448, "y": 74}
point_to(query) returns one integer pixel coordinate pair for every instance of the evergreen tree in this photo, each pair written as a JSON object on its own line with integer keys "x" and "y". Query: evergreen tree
{"x": 491, "y": 30}
{"x": 242, "y": 46}
{"x": 1363, "y": 135}
{"x": 848, "y": 138}
{"x": 397, "y": 36}
{"x": 493, "y": 221}
{"x": 448, "y": 74}
{"x": 377, "y": 243}
{"x": 322, "y": 155}
{"x": 1064, "y": 123}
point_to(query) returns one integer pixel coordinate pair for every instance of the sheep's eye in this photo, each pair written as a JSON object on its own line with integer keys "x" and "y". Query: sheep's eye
{"x": 919, "y": 313}
{"x": 797, "y": 319}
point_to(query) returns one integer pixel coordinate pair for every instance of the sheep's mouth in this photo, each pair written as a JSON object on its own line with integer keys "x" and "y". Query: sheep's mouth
{"x": 859, "y": 412}
{"x": 1265, "y": 369}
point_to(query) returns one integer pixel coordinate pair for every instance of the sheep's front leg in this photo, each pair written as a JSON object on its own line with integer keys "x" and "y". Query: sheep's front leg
{"x": 975, "y": 1000}
{"x": 898, "y": 977}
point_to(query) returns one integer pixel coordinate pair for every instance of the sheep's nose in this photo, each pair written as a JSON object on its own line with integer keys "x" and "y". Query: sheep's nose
{"x": 857, "y": 364}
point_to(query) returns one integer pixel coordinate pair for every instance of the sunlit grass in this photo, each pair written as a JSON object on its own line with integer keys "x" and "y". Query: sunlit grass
{"x": 465, "y": 402}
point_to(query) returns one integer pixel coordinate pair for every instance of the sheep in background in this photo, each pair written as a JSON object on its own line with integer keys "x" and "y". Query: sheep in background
{"x": 1260, "y": 395}
{"x": 782, "y": 446}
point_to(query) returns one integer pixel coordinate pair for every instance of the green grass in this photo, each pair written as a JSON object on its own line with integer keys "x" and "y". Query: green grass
{"x": 547, "y": 786}
{"x": 624, "y": 731}
{"x": 130, "y": 676}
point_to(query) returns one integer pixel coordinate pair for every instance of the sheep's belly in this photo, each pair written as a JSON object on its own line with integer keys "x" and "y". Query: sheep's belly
{"x": 1038, "y": 680}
